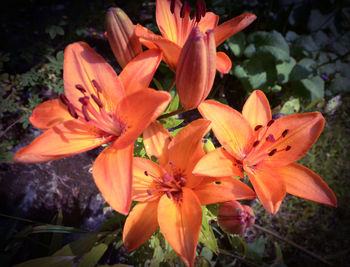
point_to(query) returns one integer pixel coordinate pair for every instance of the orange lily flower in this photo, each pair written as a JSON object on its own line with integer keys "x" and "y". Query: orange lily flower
{"x": 267, "y": 149}
{"x": 98, "y": 108}
{"x": 175, "y": 25}
{"x": 170, "y": 196}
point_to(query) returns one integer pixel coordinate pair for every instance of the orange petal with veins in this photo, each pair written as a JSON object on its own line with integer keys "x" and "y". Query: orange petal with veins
{"x": 223, "y": 62}
{"x": 215, "y": 190}
{"x": 218, "y": 163}
{"x": 66, "y": 139}
{"x": 269, "y": 187}
{"x": 156, "y": 140}
{"x": 257, "y": 109}
{"x": 140, "y": 225}
{"x": 229, "y": 126}
{"x": 302, "y": 182}
{"x": 112, "y": 172}
{"x": 49, "y": 114}
{"x": 139, "y": 72}
{"x": 180, "y": 223}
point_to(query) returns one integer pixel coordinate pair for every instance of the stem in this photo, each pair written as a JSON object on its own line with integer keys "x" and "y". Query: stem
{"x": 292, "y": 243}
{"x": 242, "y": 259}
{"x": 10, "y": 126}
{"x": 171, "y": 85}
{"x": 171, "y": 113}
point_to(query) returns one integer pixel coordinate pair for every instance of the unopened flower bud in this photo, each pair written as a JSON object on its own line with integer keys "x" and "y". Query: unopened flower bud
{"x": 121, "y": 36}
{"x": 234, "y": 218}
{"x": 196, "y": 68}
{"x": 207, "y": 145}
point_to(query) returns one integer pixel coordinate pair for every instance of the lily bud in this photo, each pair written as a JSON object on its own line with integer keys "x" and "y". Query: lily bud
{"x": 234, "y": 218}
{"x": 121, "y": 36}
{"x": 207, "y": 145}
{"x": 195, "y": 71}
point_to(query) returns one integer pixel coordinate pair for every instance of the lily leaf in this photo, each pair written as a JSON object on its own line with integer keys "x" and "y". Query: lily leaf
{"x": 53, "y": 261}
{"x": 206, "y": 235}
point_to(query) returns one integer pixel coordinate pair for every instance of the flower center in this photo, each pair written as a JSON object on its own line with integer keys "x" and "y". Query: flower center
{"x": 264, "y": 145}
{"x": 93, "y": 111}
{"x": 169, "y": 184}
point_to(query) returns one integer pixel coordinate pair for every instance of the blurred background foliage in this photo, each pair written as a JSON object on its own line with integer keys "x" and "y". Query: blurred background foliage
{"x": 297, "y": 52}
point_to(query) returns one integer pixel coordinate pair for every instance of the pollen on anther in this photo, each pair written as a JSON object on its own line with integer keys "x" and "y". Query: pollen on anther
{"x": 270, "y": 138}
{"x": 149, "y": 192}
{"x": 72, "y": 111}
{"x": 257, "y": 127}
{"x": 84, "y": 100}
{"x": 172, "y": 6}
{"x": 256, "y": 143}
{"x": 64, "y": 99}
{"x": 285, "y": 133}
{"x": 97, "y": 86}
{"x": 146, "y": 173}
{"x": 85, "y": 113}
{"x": 270, "y": 123}
{"x": 288, "y": 148}
{"x": 272, "y": 152}
{"x": 80, "y": 88}
{"x": 97, "y": 101}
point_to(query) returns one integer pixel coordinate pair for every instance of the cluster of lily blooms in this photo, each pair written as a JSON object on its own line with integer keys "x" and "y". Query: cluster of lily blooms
{"x": 99, "y": 107}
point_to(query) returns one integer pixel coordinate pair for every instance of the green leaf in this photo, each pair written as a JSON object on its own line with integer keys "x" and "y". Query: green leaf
{"x": 236, "y": 43}
{"x": 249, "y": 51}
{"x": 158, "y": 257}
{"x": 284, "y": 69}
{"x": 206, "y": 235}
{"x": 255, "y": 249}
{"x": 91, "y": 258}
{"x": 261, "y": 73}
{"x": 303, "y": 69}
{"x": 49, "y": 228}
{"x": 291, "y": 106}
{"x": 238, "y": 244}
{"x": 81, "y": 246}
{"x": 174, "y": 104}
{"x": 270, "y": 44}
{"x": 53, "y": 261}
{"x": 315, "y": 86}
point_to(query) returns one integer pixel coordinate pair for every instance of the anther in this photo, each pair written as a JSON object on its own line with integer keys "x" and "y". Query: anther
{"x": 64, "y": 99}
{"x": 288, "y": 148}
{"x": 80, "y": 88}
{"x": 270, "y": 123}
{"x": 172, "y": 6}
{"x": 97, "y": 101}
{"x": 146, "y": 173}
{"x": 256, "y": 143}
{"x": 97, "y": 86}
{"x": 168, "y": 194}
{"x": 270, "y": 138}
{"x": 257, "y": 127}
{"x": 85, "y": 113}
{"x": 272, "y": 152}
{"x": 167, "y": 178}
{"x": 149, "y": 192}
{"x": 72, "y": 111}
{"x": 84, "y": 100}
{"x": 184, "y": 9}
{"x": 285, "y": 133}
{"x": 203, "y": 7}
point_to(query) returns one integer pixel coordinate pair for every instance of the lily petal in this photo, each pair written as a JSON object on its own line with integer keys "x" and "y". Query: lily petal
{"x": 138, "y": 73}
{"x": 137, "y": 111}
{"x": 156, "y": 140}
{"x": 81, "y": 66}
{"x": 112, "y": 172}
{"x": 66, "y": 139}
{"x": 208, "y": 22}
{"x": 145, "y": 172}
{"x": 215, "y": 190}
{"x": 229, "y": 127}
{"x": 171, "y": 51}
{"x": 303, "y": 131}
{"x": 223, "y": 62}
{"x": 172, "y": 26}
{"x": 180, "y": 224}
{"x": 141, "y": 31}
{"x": 140, "y": 225}
{"x": 302, "y": 182}
{"x": 187, "y": 144}
{"x": 269, "y": 187}
{"x": 232, "y": 26}
{"x": 218, "y": 163}
{"x": 257, "y": 109}
{"x": 49, "y": 114}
